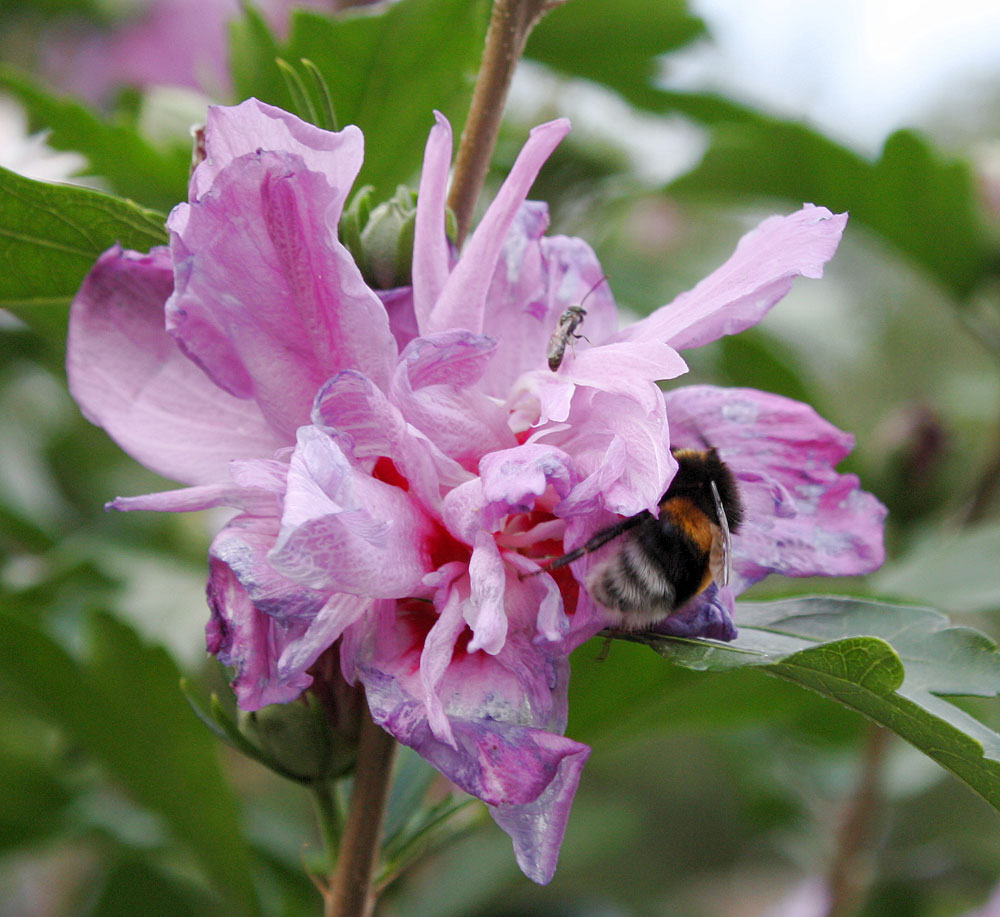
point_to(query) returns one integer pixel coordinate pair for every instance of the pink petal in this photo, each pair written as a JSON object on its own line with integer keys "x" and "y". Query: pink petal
{"x": 741, "y": 292}
{"x": 367, "y": 425}
{"x": 463, "y": 300}
{"x": 802, "y": 518}
{"x": 344, "y": 531}
{"x": 266, "y": 298}
{"x": 435, "y": 389}
{"x": 431, "y": 251}
{"x": 504, "y": 713}
{"x": 235, "y": 131}
{"x": 129, "y": 377}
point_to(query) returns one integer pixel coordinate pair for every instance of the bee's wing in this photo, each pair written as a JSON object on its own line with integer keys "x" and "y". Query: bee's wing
{"x": 721, "y": 559}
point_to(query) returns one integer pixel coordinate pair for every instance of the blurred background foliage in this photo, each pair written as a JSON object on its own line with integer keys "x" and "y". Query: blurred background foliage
{"x": 706, "y": 794}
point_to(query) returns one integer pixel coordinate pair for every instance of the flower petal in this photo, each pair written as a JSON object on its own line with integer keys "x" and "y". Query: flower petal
{"x": 277, "y": 331}
{"x": 462, "y": 302}
{"x": 431, "y": 251}
{"x": 741, "y": 292}
{"x": 128, "y": 376}
{"x": 344, "y": 531}
{"x": 801, "y": 518}
{"x": 435, "y": 389}
{"x": 235, "y": 131}
{"x": 500, "y": 711}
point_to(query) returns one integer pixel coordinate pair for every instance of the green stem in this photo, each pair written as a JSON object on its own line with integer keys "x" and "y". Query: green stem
{"x": 328, "y": 815}
{"x": 351, "y": 892}
{"x": 510, "y": 24}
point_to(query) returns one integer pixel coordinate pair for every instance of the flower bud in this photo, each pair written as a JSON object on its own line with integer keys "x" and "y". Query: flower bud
{"x": 298, "y": 740}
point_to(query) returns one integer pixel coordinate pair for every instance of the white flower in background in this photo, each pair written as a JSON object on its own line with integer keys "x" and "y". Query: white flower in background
{"x": 27, "y": 153}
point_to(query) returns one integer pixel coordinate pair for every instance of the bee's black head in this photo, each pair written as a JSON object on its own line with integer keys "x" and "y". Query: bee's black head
{"x": 696, "y": 469}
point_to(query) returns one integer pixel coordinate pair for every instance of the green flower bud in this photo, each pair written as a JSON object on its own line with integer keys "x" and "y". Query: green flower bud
{"x": 297, "y": 739}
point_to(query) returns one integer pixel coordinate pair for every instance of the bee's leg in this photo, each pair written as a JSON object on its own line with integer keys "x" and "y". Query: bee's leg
{"x": 600, "y": 539}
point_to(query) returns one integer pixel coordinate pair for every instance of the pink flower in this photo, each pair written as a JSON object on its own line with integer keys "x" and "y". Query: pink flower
{"x": 402, "y": 459}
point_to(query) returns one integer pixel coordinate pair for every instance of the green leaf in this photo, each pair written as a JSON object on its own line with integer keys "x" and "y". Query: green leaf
{"x": 617, "y": 45}
{"x": 897, "y": 674}
{"x": 117, "y": 152}
{"x": 954, "y": 570}
{"x": 387, "y": 72}
{"x": 126, "y": 709}
{"x": 919, "y": 201}
{"x": 50, "y": 237}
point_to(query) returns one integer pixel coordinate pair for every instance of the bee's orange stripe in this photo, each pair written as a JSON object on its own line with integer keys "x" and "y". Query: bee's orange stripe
{"x": 695, "y": 525}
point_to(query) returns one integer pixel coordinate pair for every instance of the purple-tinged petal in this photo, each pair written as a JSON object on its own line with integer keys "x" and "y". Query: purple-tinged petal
{"x": 398, "y": 305}
{"x": 741, "y": 292}
{"x": 345, "y": 531}
{"x": 266, "y": 299}
{"x": 434, "y": 389}
{"x": 708, "y": 615}
{"x": 232, "y": 132}
{"x": 243, "y": 546}
{"x": 462, "y": 303}
{"x": 249, "y": 641}
{"x": 338, "y": 613}
{"x": 514, "y": 478}
{"x": 801, "y": 517}
{"x": 431, "y": 251}
{"x": 537, "y": 827}
{"x": 499, "y": 708}
{"x": 129, "y": 377}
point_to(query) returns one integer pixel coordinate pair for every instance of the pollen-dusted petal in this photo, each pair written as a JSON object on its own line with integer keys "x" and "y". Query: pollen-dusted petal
{"x": 235, "y": 131}
{"x": 739, "y": 294}
{"x": 277, "y": 331}
{"x": 129, "y": 377}
{"x": 801, "y": 517}
{"x": 344, "y": 531}
{"x": 462, "y": 302}
{"x": 431, "y": 250}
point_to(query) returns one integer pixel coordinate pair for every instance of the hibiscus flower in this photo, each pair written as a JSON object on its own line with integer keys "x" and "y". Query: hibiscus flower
{"x": 404, "y": 461}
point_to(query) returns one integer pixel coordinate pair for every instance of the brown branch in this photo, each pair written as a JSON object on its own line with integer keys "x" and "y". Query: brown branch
{"x": 510, "y": 25}
{"x": 852, "y": 868}
{"x": 352, "y": 890}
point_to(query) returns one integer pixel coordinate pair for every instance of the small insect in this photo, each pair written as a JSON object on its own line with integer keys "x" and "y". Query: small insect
{"x": 566, "y": 327}
{"x": 665, "y": 561}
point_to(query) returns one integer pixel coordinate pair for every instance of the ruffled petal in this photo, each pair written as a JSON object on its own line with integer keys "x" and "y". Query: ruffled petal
{"x": 344, "y": 531}
{"x": 235, "y": 131}
{"x": 129, "y": 377}
{"x": 435, "y": 389}
{"x": 741, "y": 292}
{"x": 801, "y": 517}
{"x": 266, "y": 299}
{"x": 462, "y": 303}
{"x": 504, "y": 712}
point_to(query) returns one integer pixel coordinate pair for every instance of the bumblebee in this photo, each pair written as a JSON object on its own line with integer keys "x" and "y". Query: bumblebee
{"x": 664, "y": 561}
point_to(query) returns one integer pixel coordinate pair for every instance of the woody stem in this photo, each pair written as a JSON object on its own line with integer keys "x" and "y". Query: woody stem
{"x": 510, "y": 24}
